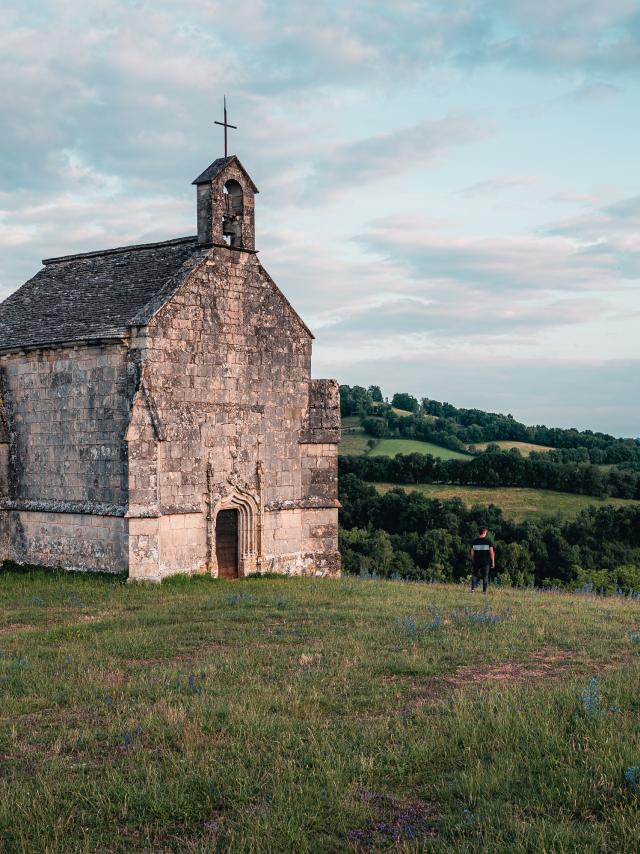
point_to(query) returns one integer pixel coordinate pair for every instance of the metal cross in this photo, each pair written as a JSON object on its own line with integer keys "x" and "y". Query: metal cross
{"x": 225, "y": 124}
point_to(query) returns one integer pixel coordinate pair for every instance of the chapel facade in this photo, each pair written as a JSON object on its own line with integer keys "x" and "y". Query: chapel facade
{"x": 157, "y": 412}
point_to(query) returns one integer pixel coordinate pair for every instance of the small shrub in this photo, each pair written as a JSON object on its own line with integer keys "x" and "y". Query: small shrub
{"x": 592, "y": 702}
{"x": 632, "y": 779}
{"x": 406, "y": 625}
{"x": 234, "y": 599}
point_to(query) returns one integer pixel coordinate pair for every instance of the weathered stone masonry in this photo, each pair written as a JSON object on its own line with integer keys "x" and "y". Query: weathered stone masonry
{"x": 191, "y": 394}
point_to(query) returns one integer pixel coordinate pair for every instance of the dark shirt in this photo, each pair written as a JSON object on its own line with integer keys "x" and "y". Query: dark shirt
{"x": 481, "y": 553}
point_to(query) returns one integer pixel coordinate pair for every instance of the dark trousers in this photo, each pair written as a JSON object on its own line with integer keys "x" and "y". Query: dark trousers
{"x": 480, "y": 572}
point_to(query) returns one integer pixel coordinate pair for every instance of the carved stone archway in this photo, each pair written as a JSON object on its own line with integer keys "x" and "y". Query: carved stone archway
{"x": 235, "y": 495}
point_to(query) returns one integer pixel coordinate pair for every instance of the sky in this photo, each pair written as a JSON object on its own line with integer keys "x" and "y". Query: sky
{"x": 449, "y": 191}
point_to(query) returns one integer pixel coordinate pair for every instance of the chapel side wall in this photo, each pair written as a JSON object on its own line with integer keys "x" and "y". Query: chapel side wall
{"x": 67, "y": 410}
{"x": 228, "y": 367}
{"x": 4, "y": 477}
{"x": 80, "y": 541}
{"x": 5, "y": 544}
{"x": 4, "y": 469}
{"x": 63, "y": 491}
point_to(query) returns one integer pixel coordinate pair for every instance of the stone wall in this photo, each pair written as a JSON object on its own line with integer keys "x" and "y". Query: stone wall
{"x": 226, "y": 365}
{"x": 302, "y": 542}
{"x": 5, "y": 541}
{"x": 67, "y": 411}
{"x": 227, "y": 362}
{"x": 72, "y": 540}
{"x": 63, "y": 470}
{"x": 165, "y": 545}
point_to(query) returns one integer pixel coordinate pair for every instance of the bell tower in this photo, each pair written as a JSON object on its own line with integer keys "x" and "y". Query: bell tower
{"x": 226, "y": 205}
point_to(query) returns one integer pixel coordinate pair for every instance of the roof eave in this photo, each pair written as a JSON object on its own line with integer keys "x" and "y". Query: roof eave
{"x": 71, "y": 344}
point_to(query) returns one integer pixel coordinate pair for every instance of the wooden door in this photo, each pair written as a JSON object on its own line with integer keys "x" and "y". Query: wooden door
{"x": 227, "y": 543}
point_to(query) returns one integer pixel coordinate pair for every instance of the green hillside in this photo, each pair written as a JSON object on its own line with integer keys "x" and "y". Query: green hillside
{"x": 307, "y": 715}
{"x": 392, "y": 447}
{"x": 515, "y": 502}
{"x": 354, "y": 443}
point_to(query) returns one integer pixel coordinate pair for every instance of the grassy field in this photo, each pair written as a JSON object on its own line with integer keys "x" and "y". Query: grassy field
{"x": 391, "y": 447}
{"x": 315, "y": 716}
{"x": 516, "y": 502}
{"x": 525, "y": 448}
{"x": 350, "y": 422}
{"x": 355, "y": 444}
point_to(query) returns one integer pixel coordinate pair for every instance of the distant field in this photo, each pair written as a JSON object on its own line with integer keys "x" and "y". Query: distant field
{"x": 516, "y": 502}
{"x": 525, "y": 448}
{"x": 349, "y": 422}
{"x": 353, "y": 444}
{"x": 393, "y": 447}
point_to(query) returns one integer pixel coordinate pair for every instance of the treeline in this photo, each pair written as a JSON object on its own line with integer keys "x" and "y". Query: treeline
{"x": 409, "y": 536}
{"x": 495, "y": 469}
{"x": 475, "y": 425}
{"x": 454, "y": 428}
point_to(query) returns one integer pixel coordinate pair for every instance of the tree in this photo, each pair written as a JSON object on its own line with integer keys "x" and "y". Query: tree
{"x": 376, "y": 427}
{"x": 403, "y": 400}
{"x": 375, "y": 393}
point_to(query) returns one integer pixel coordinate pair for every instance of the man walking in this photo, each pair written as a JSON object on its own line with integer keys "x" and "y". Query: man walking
{"x": 484, "y": 559}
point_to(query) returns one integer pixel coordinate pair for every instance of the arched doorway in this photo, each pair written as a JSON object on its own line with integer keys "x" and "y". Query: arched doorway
{"x": 227, "y": 536}
{"x": 234, "y": 530}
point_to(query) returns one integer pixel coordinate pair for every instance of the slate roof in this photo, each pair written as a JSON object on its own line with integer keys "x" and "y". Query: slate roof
{"x": 216, "y": 168}
{"x": 96, "y": 295}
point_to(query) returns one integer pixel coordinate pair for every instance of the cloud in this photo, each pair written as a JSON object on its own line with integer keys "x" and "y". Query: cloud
{"x": 599, "y": 36}
{"x": 594, "y": 90}
{"x": 461, "y": 316}
{"x": 498, "y": 184}
{"x": 611, "y": 232}
{"x": 551, "y": 262}
{"x": 614, "y": 221}
{"x": 385, "y": 155}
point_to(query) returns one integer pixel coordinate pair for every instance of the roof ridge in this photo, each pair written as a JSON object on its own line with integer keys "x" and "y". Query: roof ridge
{"x": 176, "y": 241}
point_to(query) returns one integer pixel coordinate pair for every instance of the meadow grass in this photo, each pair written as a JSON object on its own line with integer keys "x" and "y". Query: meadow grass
{"x": 271, "y": 715}
{"x": 350, "y": 422}
{"x": 516, "y": 502}
{"x": 354, "y": 444}
{"x": 392, "y": 447}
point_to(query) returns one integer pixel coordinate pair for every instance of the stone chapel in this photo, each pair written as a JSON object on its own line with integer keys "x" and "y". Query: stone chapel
{"x": 157, "y": 412}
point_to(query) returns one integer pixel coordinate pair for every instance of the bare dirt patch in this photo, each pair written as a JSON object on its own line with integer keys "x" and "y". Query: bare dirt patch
{"x": 545, "y": 663}
{"x": 394, "y": 820}
{"x": 12, "y": 628}
{"x": 197, "y": 654}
